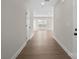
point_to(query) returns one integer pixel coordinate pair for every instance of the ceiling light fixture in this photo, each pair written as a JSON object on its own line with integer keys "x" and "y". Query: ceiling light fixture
{"x": 42, "y": 3}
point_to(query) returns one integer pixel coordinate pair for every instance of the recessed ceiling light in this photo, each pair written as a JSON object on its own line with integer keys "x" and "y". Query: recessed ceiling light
{"x": 42, "y": 3}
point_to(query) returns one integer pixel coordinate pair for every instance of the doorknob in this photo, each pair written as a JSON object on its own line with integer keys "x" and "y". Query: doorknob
{"x": 75, "y": 29}
{"x": 75, "y": 34}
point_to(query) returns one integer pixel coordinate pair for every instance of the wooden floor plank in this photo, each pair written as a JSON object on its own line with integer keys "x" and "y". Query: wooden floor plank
{"x": 42, "y": 46}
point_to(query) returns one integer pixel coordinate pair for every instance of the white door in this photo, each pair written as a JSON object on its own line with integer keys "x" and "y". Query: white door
{"x": 74, "y": 30}
{"x": 28, "y": 24}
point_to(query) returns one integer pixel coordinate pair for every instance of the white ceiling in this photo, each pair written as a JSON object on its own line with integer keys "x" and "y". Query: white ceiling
{"x": 38, "y": 9}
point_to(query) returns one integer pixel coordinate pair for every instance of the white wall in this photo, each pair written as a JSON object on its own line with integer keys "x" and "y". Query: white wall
{"x": 13, "y": 27}
{"x": 63, "y": 25}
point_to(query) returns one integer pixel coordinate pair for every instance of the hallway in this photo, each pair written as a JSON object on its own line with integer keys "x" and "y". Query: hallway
{"x": 42, "y": 46}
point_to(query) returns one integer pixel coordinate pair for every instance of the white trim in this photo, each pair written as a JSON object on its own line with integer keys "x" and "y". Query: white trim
{"x": 18, "y": 52}
{"x": 64, "y": 48}
{"x": 31, "y": 35}
{"x": 21, "y": 48}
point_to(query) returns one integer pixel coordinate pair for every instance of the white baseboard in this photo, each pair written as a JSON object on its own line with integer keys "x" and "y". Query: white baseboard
{"x": 64, "y": 48}
{"x": 31, "y": 35}
{"x": 21, "y": 48}
{"x": 18, "y": 52}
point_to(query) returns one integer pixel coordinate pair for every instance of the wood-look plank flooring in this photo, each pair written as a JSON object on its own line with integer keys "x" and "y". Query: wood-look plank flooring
{"x": 42, "y": 46}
